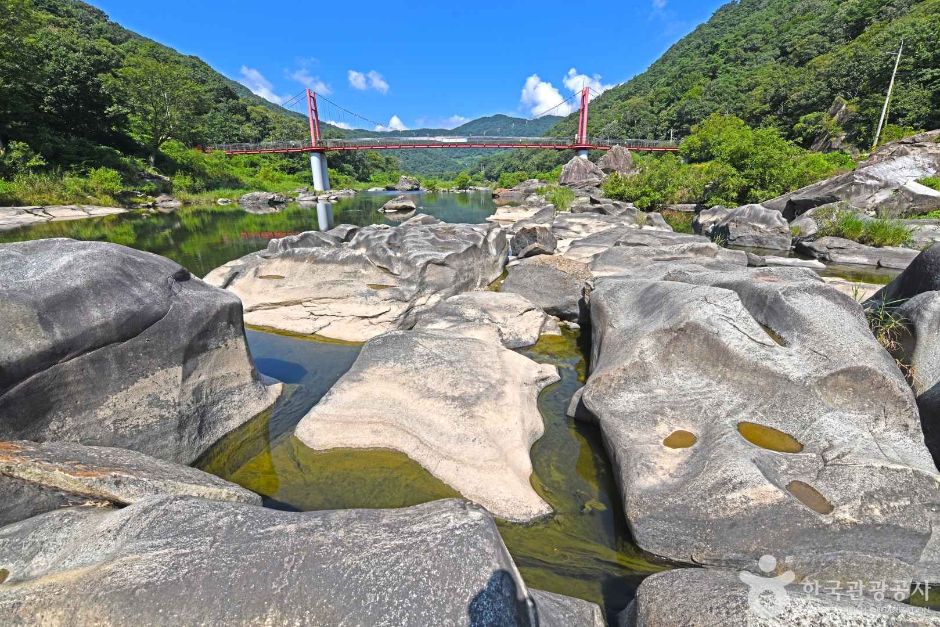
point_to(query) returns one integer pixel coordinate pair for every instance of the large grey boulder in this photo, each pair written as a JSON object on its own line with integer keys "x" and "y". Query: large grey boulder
{"x": 563, "y": 611}
{"x": 262, "y": 202}
{"x": 751, "y": 226}
{"x": 556, "y": 284}
{"x": 496, "y": 316}
{"x": 462, "y": 407}
{"x": 721, "y": 598}
{"x": 377, "y": 281}
{"x": 750, "y": 412}
{"x": 406, "y": 184}
{"x": 618, "y": 159}
{"x": 586, "y": 249}
{"x": 188, "y": 561}
{"x": 886, "y": 183}
{"x": 164, "y": 203}
{"x": 110, "y": 346}
{"x": 581, "y": 173}
{"x": 844, "y": 251}
{"x": 607, "y": 207}
{"x": 530, "y": 241}
{"x": 639, "y": 260}
{"x": 399, "y": 204}
{"x": 921, "y": 275}
{"x": 37, "y": 478}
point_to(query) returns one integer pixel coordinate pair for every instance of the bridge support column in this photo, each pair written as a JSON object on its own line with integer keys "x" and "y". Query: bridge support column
{"x": 321, "y": 177}
{"x": 583, "y": 153}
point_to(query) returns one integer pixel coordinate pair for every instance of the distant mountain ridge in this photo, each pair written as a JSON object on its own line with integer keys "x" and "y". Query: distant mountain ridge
{"x": 495, "y": 125}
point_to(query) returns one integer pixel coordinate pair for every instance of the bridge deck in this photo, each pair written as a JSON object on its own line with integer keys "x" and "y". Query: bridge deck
{"x": 436, "y": 143}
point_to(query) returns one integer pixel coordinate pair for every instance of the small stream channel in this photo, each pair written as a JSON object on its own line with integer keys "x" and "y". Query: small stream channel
{"x": 583, "y": 550}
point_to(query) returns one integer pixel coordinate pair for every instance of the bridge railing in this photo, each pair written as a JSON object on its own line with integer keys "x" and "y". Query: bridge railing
{"x": 474, "y": 140}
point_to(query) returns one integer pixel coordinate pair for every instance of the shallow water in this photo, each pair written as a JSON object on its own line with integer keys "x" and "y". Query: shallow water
{"x": 202, "y": 238}
{"x": 583, "y": 550}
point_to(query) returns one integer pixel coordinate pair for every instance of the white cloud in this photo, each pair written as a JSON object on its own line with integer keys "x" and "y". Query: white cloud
{"x": 305, "y": 78}
{"x": 394, "y": 124}
{"x": 357, "y": 80}
{"x": 342, "y": 125}
{"x": 377, "y": 82}
{"x": 659, "y": 4}
{"x": 259, "y": 85}
{"x": 368, "y": 80}
{"x": 575, "y": 82}
{"x": 455, "y": 120}
{"x": 539, "y": 96}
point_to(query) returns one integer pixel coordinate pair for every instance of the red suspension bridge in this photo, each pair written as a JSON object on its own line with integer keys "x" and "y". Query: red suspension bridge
{"x": 318, "y": 145}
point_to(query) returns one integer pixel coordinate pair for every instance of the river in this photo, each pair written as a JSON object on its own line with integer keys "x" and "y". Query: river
{"x": 583, "y": 550}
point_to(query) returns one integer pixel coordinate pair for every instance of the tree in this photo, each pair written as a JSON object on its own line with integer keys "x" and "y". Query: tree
{"x": 462, "y": 181}
{"x": 163, "y": 100}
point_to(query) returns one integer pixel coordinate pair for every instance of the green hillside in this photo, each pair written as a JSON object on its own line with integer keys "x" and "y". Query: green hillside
{"x": 782, "y": 64}
{"x": 90, "y": 109}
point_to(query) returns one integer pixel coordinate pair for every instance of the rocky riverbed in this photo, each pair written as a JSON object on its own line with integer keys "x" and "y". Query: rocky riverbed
{"x": 759, "y": 423}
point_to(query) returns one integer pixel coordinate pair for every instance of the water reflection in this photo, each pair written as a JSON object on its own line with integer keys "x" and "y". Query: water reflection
{"x": 202, "y": 238}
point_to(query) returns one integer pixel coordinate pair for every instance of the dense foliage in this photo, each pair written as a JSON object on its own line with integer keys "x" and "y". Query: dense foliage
{"x": 81, "y": 93}
{"x": 814, "y": 70}
{"x": 724, "y": 162}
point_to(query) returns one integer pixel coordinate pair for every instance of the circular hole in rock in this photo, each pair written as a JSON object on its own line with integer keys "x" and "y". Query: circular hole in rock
{"x": 769, "y": 438}
{"x": 810, "y": 497}
{"x": 680, "y": 439}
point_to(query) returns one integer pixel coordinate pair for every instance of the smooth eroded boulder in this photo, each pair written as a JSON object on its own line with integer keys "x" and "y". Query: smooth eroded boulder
{"x": 188, "y": 561}
{"x": 556, "y": 284}
{"x": 399, "y": 204}
{"x": 752, "y": 226}
{"x": 262, "y": 202}
{"x": 378, "y": 279}
{"x": 462, "y": 407}
{"x": 844, "y": 251}
{"x": 498, "y": 316}
{"x": 721, "y": 598}
{"x": 750, "y": 411}
{"x": 109, "y": 346}
{"x": 37, "y": 478}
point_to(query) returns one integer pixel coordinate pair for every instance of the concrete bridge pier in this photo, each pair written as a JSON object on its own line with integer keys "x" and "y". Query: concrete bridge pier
{"x": 321, "y": 176}
{"x": 325, "y": 216}
{"x": 583, "y": 153}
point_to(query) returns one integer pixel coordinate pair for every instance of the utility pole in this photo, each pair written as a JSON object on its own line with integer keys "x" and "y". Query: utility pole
{"x": 884, "y": 111}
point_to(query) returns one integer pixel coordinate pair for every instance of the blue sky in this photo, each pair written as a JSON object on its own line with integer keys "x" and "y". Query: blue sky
{"x": 419, "y": 63}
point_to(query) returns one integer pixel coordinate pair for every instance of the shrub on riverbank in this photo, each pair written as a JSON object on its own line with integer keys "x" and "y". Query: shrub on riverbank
{"x": 561, "y": 197}
{"x": 724, "y": 162}
{"x": 872, "y": 232}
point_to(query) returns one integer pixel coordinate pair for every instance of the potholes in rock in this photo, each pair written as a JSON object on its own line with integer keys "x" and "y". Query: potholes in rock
{"x": 810, "y": 497}
{"x": 769, "y": 438}
{"x": 776, "y": 337}
{"x": 680, "y": 439}
{"x": 4, "y": 574}
{"x": 272, "y": 277}
{"x": 379, "y": 286}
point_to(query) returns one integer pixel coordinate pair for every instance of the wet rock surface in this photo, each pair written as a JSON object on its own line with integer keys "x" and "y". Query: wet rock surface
{"x": 109, "y": 346}
{"x": 183, "y": 560}
{"x": 30, "y": 473}
{"x": 462, "y": 407}
{"x": 378, "y": 280}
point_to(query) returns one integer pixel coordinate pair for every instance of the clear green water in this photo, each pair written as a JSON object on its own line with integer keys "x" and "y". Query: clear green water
{"x": 583, "y": 550}
{"x": 202, "y": 238}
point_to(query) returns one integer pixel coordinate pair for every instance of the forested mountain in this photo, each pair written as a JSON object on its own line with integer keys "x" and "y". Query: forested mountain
{"x": 782, "y": 64}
